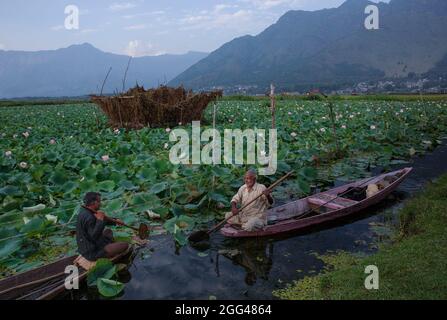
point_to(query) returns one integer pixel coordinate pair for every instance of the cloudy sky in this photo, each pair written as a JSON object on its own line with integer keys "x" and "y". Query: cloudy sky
{"x": 141, "y": 27}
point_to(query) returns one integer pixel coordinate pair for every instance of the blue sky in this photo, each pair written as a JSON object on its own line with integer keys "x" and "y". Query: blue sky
{"x": 141, "y": 27}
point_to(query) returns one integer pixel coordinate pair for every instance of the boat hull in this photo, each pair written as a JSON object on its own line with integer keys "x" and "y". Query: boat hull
{"x": 57, "y": 284}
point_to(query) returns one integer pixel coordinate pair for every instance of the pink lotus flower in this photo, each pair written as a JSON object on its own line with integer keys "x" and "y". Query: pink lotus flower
{"x": 116, "y": 131}
{"x": 105, "y": 158}
{"x": 52, "y": 141}
{"x": 168, "y": 130}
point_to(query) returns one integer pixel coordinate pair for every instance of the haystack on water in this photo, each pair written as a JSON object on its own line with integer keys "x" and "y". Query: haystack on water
{"x": 159, "y": 107}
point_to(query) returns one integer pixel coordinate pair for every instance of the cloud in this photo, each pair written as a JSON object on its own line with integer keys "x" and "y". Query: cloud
{"x": 138, "y": 48}
{"x": 2, "y": 46}
{"x": 135, "y": 27}
{"x": 242, "y": 20}
{"x": 57, "y": 28}
{"x": 144, "y": 14}
{"x": 89, "y": 30}
{"x": 122, "y": 6}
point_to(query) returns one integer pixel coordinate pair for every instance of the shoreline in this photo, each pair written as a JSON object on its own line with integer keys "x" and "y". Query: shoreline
{"x": 411, "y": 267}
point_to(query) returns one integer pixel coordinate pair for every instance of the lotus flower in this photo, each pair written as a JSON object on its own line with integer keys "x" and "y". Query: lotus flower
{"x": 52, "y": 141}
{"x": 323, "y": 129}
{"x": 23, "y": 165}
{"x": 166, "y": 145}
{"x": 116, "y": 131}
{"x": 168, "y": 130}
{"x": 373, "y": 127}
{"x": 8, "y": 153}
{"x": 25, "y": 134}
{"x": 294, "y": 134}
{"x": 51, "y": 218}
{"x": 105, "y": 158}
{"x": 343, "y": 126}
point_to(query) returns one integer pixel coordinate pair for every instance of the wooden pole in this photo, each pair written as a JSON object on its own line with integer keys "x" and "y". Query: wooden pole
{"x": 334, "y": 129}
{"x": 102, "y": 88}
{"x": 125, "y": 74}
{"x": 273, "y": 105}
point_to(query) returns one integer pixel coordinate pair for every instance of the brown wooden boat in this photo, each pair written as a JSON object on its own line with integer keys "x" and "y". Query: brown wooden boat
{"x": 319, "y": 208}
{"x": 46, "y": 282}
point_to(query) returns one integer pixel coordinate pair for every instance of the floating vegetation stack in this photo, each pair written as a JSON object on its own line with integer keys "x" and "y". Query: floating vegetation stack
{"x": 164, "y": 106}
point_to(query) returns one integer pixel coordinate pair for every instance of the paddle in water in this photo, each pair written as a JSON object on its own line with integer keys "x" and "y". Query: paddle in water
{"x": 202, "y": 235}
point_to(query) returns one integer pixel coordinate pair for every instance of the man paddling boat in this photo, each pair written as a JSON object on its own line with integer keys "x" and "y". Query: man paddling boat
{"x": 254, "y": 216}
{"x": 94, "y": 241}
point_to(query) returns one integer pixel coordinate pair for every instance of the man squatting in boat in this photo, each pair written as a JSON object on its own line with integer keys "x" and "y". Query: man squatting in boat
{"x": 93, "y": 239}
{"x": 253, "y": 217}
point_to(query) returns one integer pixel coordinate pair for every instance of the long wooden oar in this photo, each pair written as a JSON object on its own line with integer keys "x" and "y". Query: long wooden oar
{"x": 143, "y": 230}
{"x": 204, "y": 235}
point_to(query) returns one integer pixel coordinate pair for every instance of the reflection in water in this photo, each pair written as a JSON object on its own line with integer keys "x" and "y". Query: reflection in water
{"x": 255, "y": 256}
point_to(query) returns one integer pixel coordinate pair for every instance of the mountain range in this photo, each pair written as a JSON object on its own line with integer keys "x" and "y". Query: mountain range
{"x": 330, "y": 47}
{"x": 81, "y": 70}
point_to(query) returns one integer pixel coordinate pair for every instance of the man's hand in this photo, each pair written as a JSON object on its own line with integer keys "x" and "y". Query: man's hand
{"x": 119, "y": 222}
{"x": 234, "y": 210}
{"x": 267, "y": 192}
{"x": 100, "y": 215}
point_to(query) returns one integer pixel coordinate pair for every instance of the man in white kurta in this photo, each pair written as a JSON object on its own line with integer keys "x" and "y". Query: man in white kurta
{"x": 254, "y": 216}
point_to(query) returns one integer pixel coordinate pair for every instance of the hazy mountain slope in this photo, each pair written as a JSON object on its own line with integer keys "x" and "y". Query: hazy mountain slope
{"x": 81, "y": 69}
{"x": 330, "y": 46}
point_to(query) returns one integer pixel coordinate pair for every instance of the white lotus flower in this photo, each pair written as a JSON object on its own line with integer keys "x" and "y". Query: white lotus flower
{"x": 323, "y": 129}
{"x": 105, "y": 158}
{"x": 373, "y": 127}
{"x": 289, "y": 113}
{"x": 52, "y": 141}
{"x": 23, "y": 165}
{"x": 343, "y": 126}
{"x": 8, "y": 153}
{"x": 26, "y": 220}
{"x": 166, "y": 145}
{"x": 51, "y": 218}
{"x": 168, "y": 130}
{"x": 116, "y": 131}
{"x": 25, "y": 134}
{"x": 294, "y": 134}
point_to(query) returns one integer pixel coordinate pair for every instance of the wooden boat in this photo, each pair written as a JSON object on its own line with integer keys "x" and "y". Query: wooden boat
{"x": 319, "y": 208}
{"x": 46, "y": 282}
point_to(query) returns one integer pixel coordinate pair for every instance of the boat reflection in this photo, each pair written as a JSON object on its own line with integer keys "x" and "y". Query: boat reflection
{"x": 254, "y": 255}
